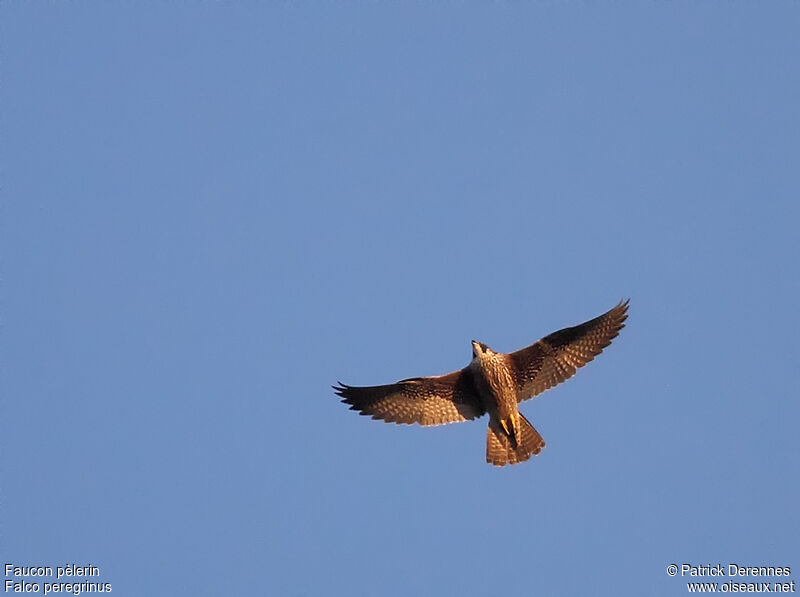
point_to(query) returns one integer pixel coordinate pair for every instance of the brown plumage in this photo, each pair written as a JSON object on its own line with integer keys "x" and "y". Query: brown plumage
{"x": 492, "y": 383}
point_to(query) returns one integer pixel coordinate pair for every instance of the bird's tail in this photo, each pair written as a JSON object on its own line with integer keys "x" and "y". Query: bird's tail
{"x": 501, "y": 449}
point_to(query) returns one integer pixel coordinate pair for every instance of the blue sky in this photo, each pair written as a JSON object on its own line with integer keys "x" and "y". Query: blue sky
{"x": 213, "y": 211}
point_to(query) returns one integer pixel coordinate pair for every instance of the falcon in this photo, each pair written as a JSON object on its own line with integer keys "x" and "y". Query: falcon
{"x": 493, "y": 383}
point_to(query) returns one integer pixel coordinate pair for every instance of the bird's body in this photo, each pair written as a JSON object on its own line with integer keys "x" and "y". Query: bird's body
{"x": 492, "y": 383}
{"x": 493, "y": 380}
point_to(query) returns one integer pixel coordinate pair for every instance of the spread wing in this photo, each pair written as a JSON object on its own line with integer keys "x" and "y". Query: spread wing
{"x": 437, "y": 400}
{"x": 556, "y": 358}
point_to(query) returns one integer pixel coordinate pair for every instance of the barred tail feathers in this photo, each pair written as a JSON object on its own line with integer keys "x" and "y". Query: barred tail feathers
{"x": 501, "y": 449}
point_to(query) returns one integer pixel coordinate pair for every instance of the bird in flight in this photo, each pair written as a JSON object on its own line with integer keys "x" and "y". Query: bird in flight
{"x": 493, "y": 383}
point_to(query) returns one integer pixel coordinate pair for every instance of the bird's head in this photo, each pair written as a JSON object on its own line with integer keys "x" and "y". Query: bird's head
{"x": 480, "y": 350}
